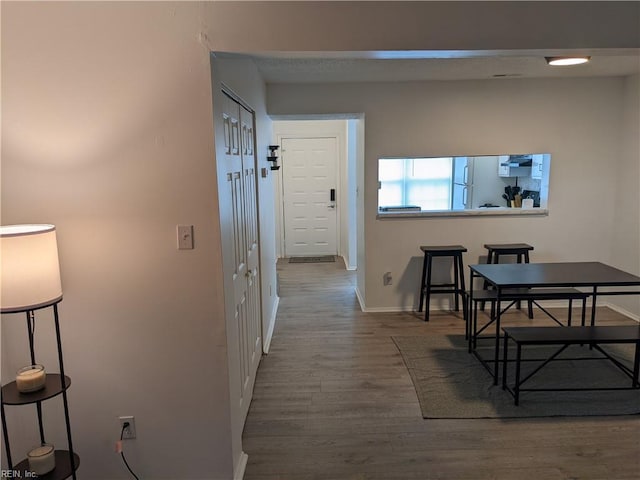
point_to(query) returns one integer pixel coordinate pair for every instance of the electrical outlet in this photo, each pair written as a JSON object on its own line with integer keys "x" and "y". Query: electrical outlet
{"x": 387, "y": 279}
{"x": 130, "y": 431}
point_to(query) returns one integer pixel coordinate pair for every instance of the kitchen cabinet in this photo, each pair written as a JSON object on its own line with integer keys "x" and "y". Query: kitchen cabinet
{"x": 508, "y": 168}
{"x": 503, "y": 169}
{"x": 537, "y": 164}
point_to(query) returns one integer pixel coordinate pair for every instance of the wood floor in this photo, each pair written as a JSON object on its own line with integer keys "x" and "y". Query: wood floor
{"x": 333, "y": 400}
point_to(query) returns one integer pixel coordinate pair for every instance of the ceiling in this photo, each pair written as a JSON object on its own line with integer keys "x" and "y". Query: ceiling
{"x": 327, "y": 67}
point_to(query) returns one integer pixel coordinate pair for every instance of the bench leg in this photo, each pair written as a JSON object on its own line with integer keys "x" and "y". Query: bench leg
{"x": 517, "y": 385}
{"x": 475, "y": 326}
{"x": 505, "y": 359}
{"x": 569, "y": 314}
{"x": 465, "y": 301}
{"x": 636, "y": 366}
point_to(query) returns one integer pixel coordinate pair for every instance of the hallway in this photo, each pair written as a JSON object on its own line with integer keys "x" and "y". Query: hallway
{"x": 333, "y": 400}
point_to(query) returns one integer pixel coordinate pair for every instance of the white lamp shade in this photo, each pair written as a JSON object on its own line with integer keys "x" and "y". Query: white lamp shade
{"x": 30, "y": 269}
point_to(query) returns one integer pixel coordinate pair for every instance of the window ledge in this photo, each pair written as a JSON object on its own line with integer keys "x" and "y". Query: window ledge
{"x": 476, "y": 212}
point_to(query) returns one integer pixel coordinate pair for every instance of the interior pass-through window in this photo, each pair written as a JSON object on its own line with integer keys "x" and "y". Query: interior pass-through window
{"x": 417, "y": 182}
{"x": 500, "y": 183}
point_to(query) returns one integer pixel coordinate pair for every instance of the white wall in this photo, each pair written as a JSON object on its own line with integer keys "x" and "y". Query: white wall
{"x": 577, "y": 120}
{"x": 107, "y": 133}
{"x": 625, "y": 243}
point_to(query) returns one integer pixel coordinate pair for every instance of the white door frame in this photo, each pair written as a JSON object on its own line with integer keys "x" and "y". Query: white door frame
{"x": 337, "y": 186}
{"x": 320, "y": 129}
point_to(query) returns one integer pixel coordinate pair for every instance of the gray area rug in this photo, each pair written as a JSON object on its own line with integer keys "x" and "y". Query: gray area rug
{"x": 452, "y": 383}
{"x": 319, "y": 259}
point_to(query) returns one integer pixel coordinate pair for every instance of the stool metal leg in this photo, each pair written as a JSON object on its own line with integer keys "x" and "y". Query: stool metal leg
{"x": 485, "y": 284}
{"x": 461, "y": 286}
{"x": 505, "y": 359}
{"x": 456, "y": 282}
{"x": 422, "y": 283}
{"x": 427, "y": 293}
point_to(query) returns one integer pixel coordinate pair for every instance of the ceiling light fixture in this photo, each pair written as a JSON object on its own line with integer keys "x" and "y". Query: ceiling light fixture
{"x": 566, "y": 61}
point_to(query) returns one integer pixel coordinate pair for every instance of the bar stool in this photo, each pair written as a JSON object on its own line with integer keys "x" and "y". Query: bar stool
{"x": 457, "y": 287}
{"x": 520, "y": 250}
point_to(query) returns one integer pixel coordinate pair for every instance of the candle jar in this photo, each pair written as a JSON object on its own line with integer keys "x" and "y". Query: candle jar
{"x": 30, "y": 378}
{"x": 42, "y": 459}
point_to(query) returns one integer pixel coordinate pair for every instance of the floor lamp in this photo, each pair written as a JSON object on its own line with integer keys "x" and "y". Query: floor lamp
{"x": 30, "y": 281}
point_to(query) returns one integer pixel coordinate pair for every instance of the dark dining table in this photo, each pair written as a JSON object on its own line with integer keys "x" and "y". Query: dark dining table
{"x": 598, "y": 279}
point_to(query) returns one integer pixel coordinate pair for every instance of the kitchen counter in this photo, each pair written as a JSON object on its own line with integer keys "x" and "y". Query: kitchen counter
{"x": 476, "y": 212}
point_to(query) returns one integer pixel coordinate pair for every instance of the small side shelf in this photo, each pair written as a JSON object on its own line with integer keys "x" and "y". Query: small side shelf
{"x": 52, "y": 388}
{"x": 63, "y": 467}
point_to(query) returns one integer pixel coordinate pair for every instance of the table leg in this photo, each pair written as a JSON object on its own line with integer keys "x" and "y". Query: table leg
{"x": 471, "y": 330}
{"x": 593, "y": 306}
{"x": 496, "y": 357}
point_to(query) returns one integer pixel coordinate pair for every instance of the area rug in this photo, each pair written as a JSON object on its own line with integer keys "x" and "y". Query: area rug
{"x": 452, "y": 383}
{"x": 320, "y": 259}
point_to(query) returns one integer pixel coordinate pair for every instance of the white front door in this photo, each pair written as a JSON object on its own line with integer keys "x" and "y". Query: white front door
{"x": 310, "y": 196}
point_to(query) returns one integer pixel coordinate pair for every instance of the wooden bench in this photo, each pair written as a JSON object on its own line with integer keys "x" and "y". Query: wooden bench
{"x": 565, "y": 336}
{"x": 521, "y": 294}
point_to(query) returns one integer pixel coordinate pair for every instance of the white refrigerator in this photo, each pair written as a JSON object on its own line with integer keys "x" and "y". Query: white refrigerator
{"x": 462, "y": 188}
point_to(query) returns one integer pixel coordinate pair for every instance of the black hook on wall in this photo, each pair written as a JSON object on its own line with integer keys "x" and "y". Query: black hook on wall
{"x": 273, "y": 157}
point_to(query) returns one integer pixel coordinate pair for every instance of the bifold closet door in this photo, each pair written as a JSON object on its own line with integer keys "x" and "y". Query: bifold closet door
{"x": 240, "y": 225}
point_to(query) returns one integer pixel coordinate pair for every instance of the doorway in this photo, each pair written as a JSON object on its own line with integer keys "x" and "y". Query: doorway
{"x": 309, "y": 196}
{"x": 345, "y": 137}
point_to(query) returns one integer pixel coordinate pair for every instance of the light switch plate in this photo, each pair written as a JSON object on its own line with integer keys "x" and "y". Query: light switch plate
{"x": 185, "y": 237}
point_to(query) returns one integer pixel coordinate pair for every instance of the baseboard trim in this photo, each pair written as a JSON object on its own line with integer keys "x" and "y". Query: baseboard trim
{"x": 623, "y": 311}
{"x": 241, "y": 466}
{"x": 393, "y": 309}
{"x": 266, "y": 341}
{"x": 360, "y": 299}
